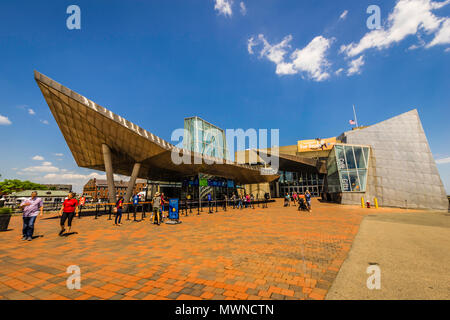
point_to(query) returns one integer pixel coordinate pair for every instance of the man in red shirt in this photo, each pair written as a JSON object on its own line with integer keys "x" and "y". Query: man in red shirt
{"x": 68, "y": 210}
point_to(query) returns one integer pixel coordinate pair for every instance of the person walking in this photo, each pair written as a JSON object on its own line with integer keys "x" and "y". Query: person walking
{"x": 287, "y": 201}
{"x": 308, "y": 199}
{"x": 266, "y": 199}
{"x": 163, "y": 203}
{"x": 209, "y": 203}
{"x": 233, "y": 200}
{"x": 69, "y": 209}
{"x": 156, "y": 208}
{"x": 119, "y": 206}
{"x": 31, "y": 208}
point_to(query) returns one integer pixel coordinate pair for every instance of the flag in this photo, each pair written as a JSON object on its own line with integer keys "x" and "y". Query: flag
{"x": 352, "y": 122}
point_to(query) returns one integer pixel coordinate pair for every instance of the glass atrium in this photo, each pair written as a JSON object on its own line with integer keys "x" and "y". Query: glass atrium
{"x": 205, "y": 138}
{"x": 347, "y": 168}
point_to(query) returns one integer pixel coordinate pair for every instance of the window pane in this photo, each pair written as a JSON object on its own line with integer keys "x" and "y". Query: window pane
{"x": 366, "y": 156}
{"x": 351, "y": 164}
{"x": 340, "y": 159}
{"x": 345, "y": 183}
{"x": 363, "y": 179}
{"x": 354, "y": 182}
{"x": 359, "y": 157}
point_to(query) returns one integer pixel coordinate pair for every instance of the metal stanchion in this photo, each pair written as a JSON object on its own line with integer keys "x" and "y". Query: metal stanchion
{"x": 128, "y": 212}
{"x": 96, "y": 211}
{"x": 216, "y": 204}
{"x": 79, "y": 212}
{"x": 134, "y": 214}
{"x": 110, "y": 209}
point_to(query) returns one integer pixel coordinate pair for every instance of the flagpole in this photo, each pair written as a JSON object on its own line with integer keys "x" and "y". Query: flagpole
{"x": 354, "y": 114}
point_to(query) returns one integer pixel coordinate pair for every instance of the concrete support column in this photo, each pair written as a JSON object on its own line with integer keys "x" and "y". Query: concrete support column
{"x": 109, "y": 173}
{"x": 131, "y": 183}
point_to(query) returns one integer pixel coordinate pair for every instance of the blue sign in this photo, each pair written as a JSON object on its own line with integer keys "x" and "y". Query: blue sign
{"x": 230, "y": 184}
{"x": 136, "y": 200}
{"x": 173, "y": 209}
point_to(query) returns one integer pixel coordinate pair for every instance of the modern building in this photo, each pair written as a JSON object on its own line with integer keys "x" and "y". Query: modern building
{"x": 390, "y": 161}
{"x": 102, "y": 140}
{"x": 97, "y": 189}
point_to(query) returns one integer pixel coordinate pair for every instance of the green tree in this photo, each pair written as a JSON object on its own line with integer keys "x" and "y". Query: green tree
{"x": 8, "y": 186}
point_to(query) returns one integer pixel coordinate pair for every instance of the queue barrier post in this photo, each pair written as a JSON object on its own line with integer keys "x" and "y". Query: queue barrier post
{"x": 110, "y": 209}
{"x": 362, "y": 202}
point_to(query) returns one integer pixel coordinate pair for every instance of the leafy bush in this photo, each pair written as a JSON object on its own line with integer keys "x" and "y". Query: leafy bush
{"x": 5, "y": 210}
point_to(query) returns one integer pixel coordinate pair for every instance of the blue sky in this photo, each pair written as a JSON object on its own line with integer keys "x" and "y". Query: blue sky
{"x": 293, "y": 65}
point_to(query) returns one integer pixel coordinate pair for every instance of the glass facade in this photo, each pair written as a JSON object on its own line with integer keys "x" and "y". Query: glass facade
{"x": 204, "y": 138}
{"x": 347, "y": 168}
{"x": 300, "y": 182}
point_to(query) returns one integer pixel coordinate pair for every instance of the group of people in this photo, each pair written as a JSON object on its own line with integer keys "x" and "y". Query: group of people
{"x": 158, "y": 202}
{"x": 298, "y": 199}
{"x": 34, "y": 207}
{"x": 243, "y": 201}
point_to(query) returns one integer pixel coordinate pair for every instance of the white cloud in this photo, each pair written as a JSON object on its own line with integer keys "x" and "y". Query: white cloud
{"x": 250, "y": 44}
{"x": 442, "y": 36}
{"x": 38, "y": 158}
{"x": 311, "y": 60}
{"x": 443, "y": 160}
{"x": 447, "y": 50}
{"x": 46, "y": 163}
{"x": 42, "y": 168}
{"x": 72, "y": 176}
{"x": 224, "y": 7}
{"x": 355, "y": 66}
{"x": 58, "y": 154}
{"x": 343, "y": 15}
{"x": 339, "y": 71}
{"x": 243, "y": 8}
{"x": 44, "y": 121}
{"x": 77, "y": 180}
{"x": 4, "y": 121}
{"x": 409, "y": 17}
{"x": 31, "y": 111}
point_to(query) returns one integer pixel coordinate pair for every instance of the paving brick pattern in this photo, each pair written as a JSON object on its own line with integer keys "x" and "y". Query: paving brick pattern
{"x": 274, "y": 253}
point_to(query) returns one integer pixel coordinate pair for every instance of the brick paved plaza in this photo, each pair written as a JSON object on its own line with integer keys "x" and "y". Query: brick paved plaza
{"x": 274, "y": 253}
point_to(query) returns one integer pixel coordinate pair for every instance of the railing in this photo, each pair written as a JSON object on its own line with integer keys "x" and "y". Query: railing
{"x": 185, "y": 207}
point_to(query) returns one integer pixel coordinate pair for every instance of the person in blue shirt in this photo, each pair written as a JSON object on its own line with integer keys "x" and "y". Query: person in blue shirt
{"x": 135, "y": 199}
{"x": 210, "y": 202}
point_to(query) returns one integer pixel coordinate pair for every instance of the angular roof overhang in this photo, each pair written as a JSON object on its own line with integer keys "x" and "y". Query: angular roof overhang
{"x": 86, "y": 125}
